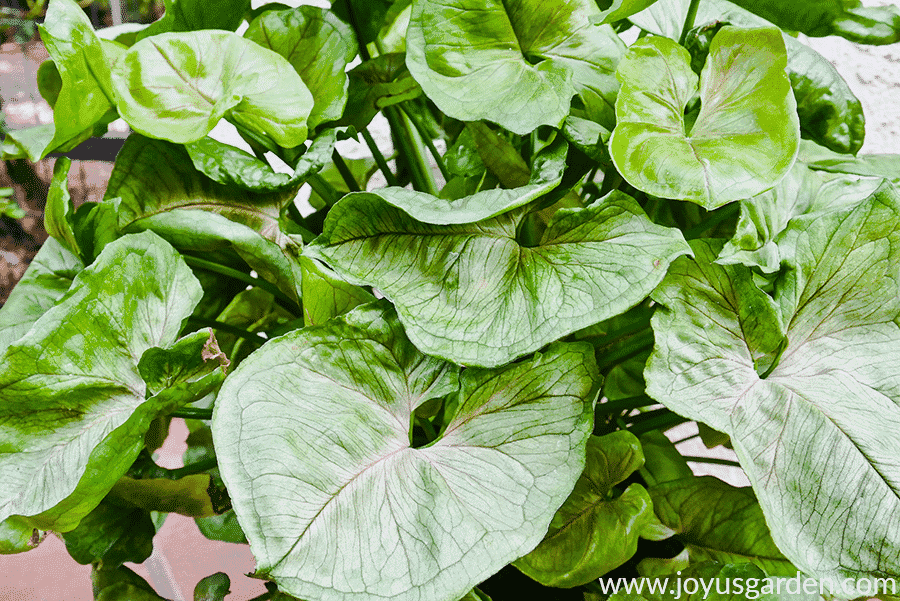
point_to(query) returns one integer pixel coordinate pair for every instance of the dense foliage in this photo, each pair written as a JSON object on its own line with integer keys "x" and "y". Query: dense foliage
{"x": 399, "y": 391}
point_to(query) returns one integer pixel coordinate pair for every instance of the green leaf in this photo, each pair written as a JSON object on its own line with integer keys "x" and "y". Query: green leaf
{"x": 546, "y": 174}
{"x": 818, "y": 18}
{"x": 194, "y": 496}
{"x": 499, "y": 156}
{"x": 663, "y": 462}
{"x": 45, "y": 282}
{"x": 213, "y": 588}
{"x": 70, "y": 388}
{"x": 745, "y": 137}
{"x": 812, "y": 435}
{"x": 515, "y": 63}
{"x": 326, "y": 295}
{"x": 229, "y": 166}
{"x": 829, "y": 112}
{"x": 474, "y": 295}
{"x": 866, "y": 165}
{"x": 121, "y": 584}
{"x": 112, "y": 535}
{"x": 161, "y": 191}
{"x": 193, "y": 15}
{"x": 8, "y": 205}
{"x": 366, "y": 16}
{"x": 59, "y": 208}
{"x": 590, "y": 138}
{"x": 616, "y": 10}
{"x": 81, "y": 89}
{"x": 802, "y": 196}
{"x": 17, "y": 535}
{"x": 123, "y": 33}
{"x": 719, "y": 522}
{"x": 49, "y": 82}
{"x": 594, "y": 532}
{"x": 318, "y": 45}
{"x": 376, "y": 84}
{"x": 188, "y": 370}
{"x": 417, "y": 522}
{"x": 31, "y": 143}
{"x": 165, "y": 88}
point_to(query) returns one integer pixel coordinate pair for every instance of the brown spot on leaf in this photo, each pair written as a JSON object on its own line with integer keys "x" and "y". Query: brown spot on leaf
{"x": 212, "y": 352}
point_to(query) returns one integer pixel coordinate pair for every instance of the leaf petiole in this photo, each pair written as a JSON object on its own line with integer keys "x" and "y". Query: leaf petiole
{"x": 192, "y": 413}
{"x": 689, "y": 21}
{"x": 269, "y": 287}
{"x": 379, "y": 158}
{"x": 345, "y": 172}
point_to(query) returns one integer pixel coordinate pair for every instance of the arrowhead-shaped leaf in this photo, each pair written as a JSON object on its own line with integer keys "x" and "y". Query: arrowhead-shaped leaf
{"x": 375, "y": 84}
{"x": 478, "y": 61}
{"x": 192, "y": 15}
{"x": 232, "y": 166}
{"x": 594, "y": 532}
{"x": 161, "y": 191}
{"x": 167, "y": 86}
{"x": 474, "y": 295}
{"x": 802, "y": 195}
{"x": 111, "y": 534}
{"x": 366, "y": 515}
{"x": 73, "y": 406}
{"x": 719, "y": 522}
{"x": 866, "y": 165}
{"x": 745, "y": 137}
{"x": 80, "y": 82}
{"x": 829, "y": 112}
{"x": 318, "y": 45}
{"x": 816, "y": 430}
{"x": 818, "y": 18}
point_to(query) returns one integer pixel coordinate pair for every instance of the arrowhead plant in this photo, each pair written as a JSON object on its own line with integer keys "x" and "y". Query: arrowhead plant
{"x": 418, "y": 376}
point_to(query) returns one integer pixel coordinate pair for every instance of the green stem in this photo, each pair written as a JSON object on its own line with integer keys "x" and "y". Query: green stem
{"x": 379, "y": 158}
{"x": 227, "y": 328}
{"x": 659, "y": 422}
{"x": 625, "y": 331}
{"x": 714, "y": 460}
{"x": 634, "y": 402}
{"x": 243, "y": 277}
{"x": 192, "y": 413}
{"x": 639, "y": 344}
{"x": 647, "y": 416}
{"x": 345, "y": 172}
{"x": 717, "y": 217}
{"x": 428, "y": 427}
{"x": 411, "y": 150}
{"x": 194, "y": 468}
{"x": 324, "y": 189}
{"x": 297, "y": 218}
{"x": 689, "y": 21}
{"x": 429, "y": 143}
